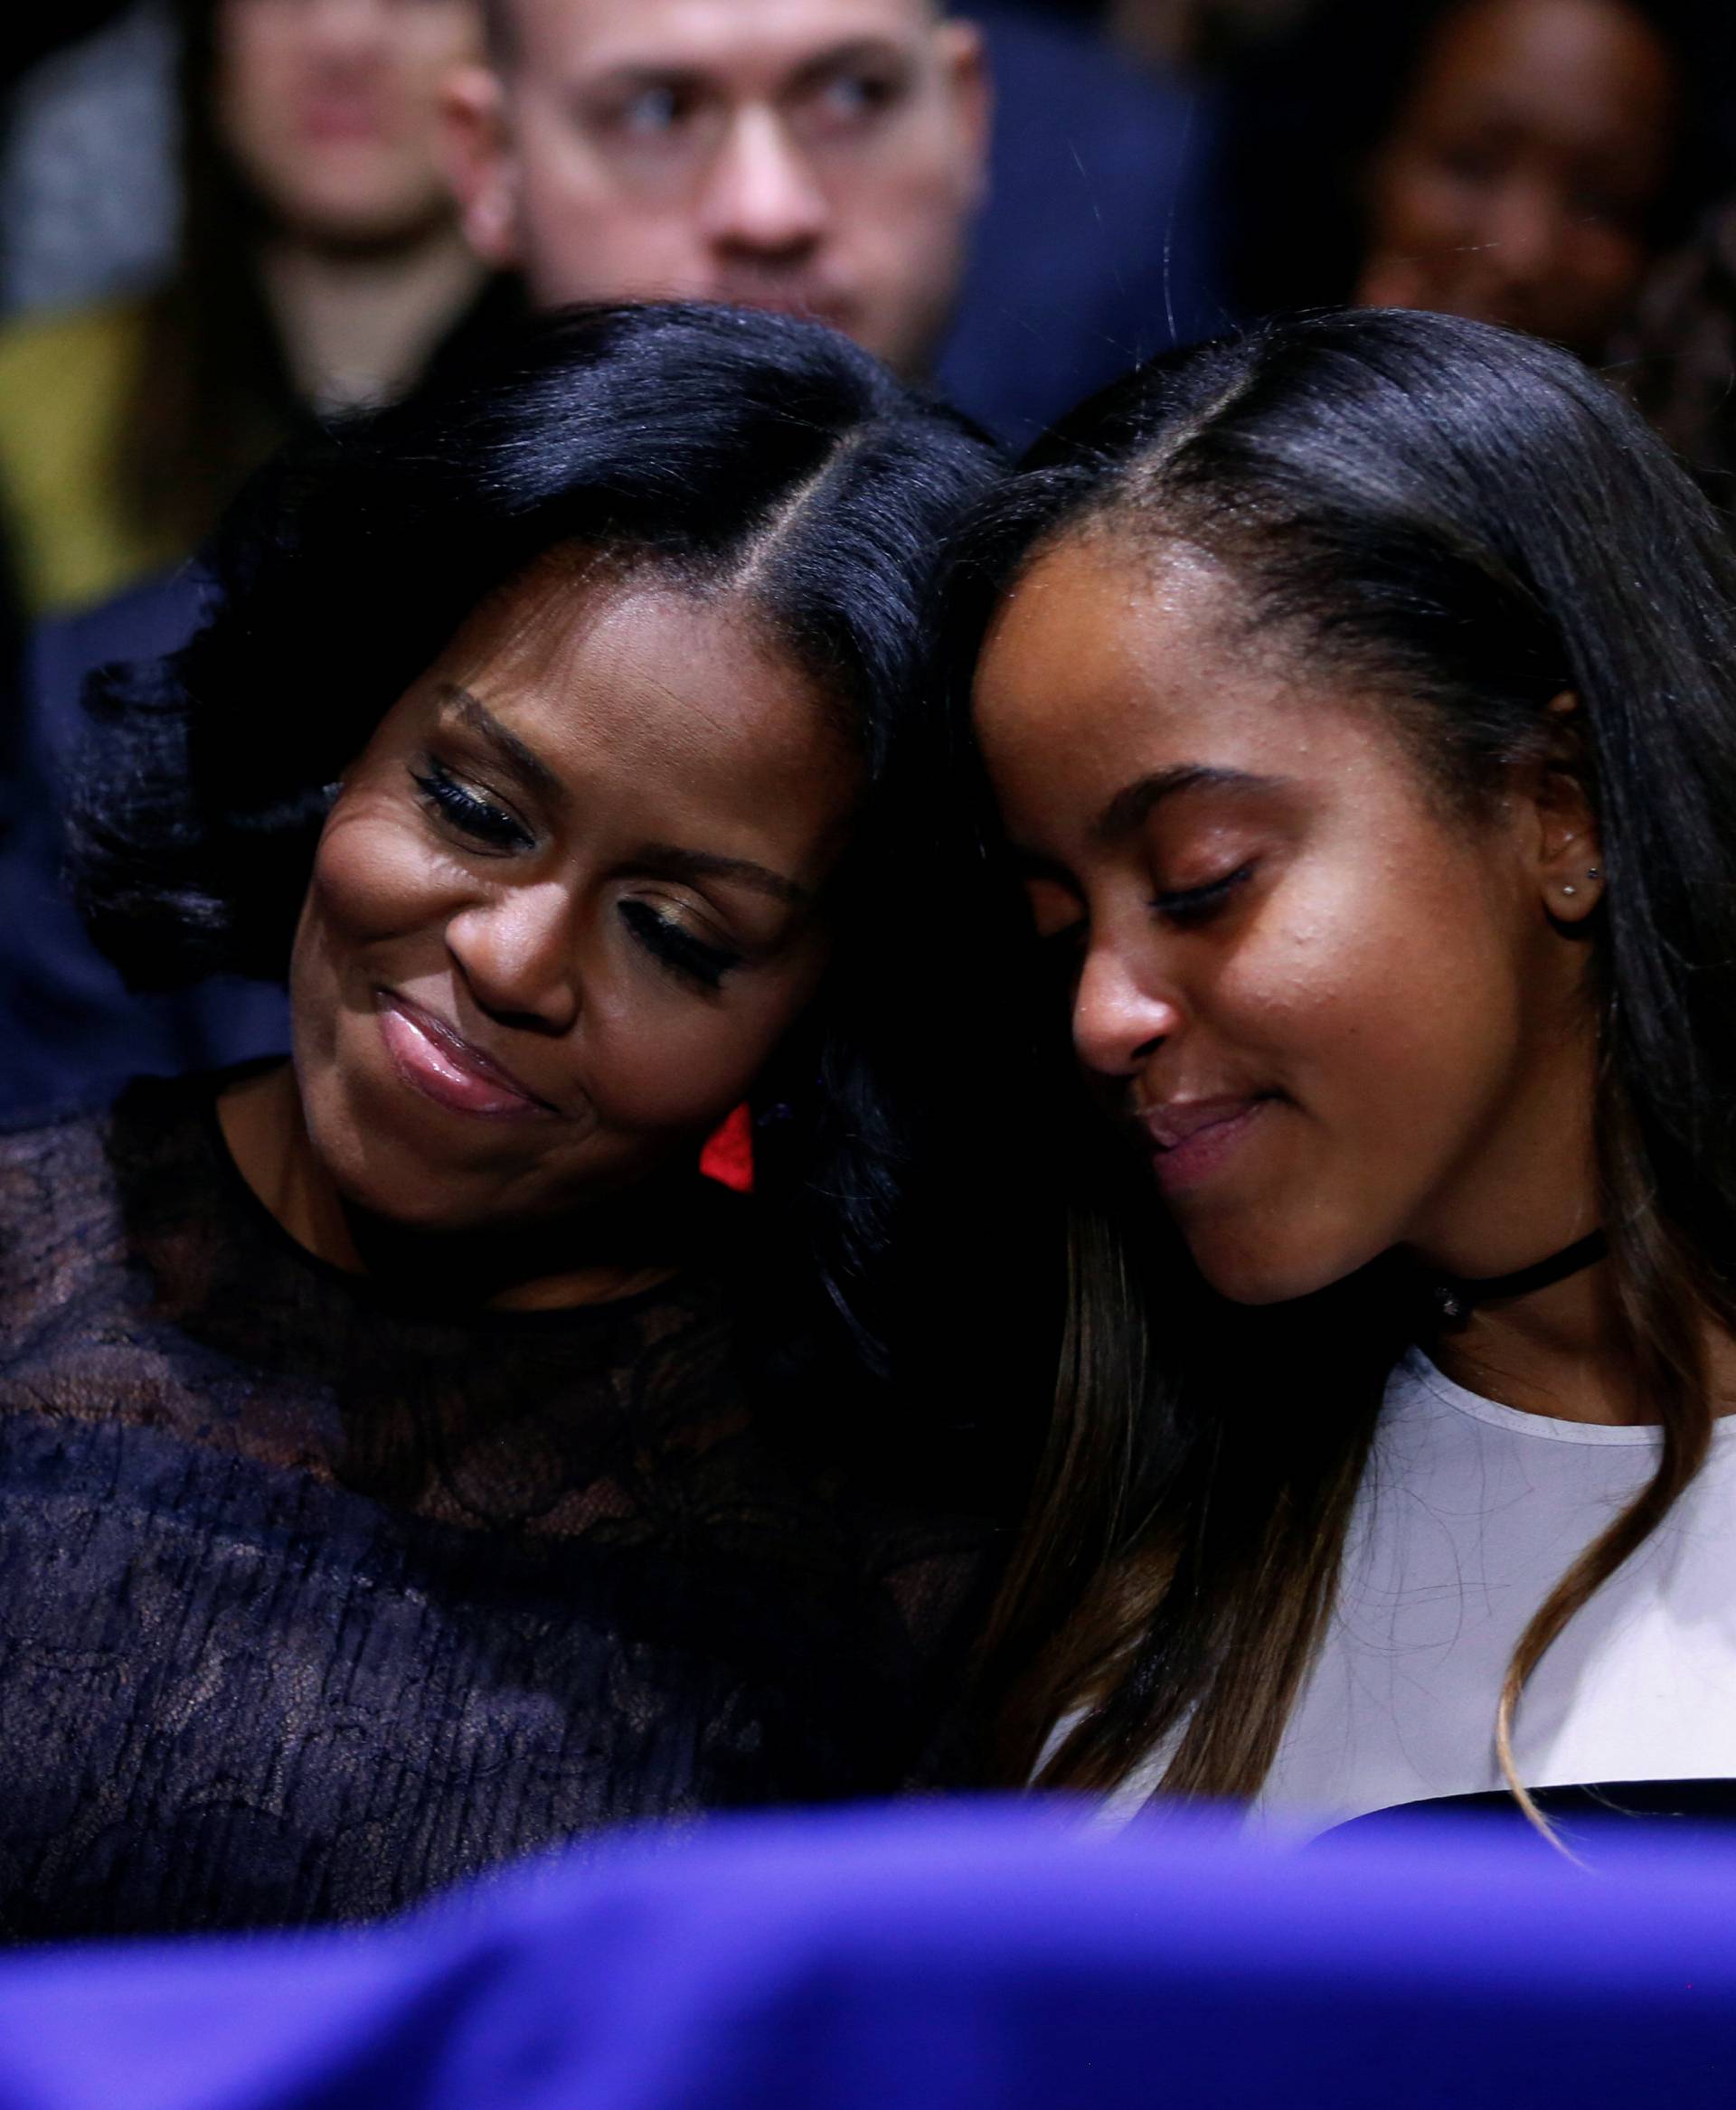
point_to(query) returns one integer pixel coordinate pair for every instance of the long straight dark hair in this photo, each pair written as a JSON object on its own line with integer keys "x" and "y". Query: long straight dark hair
{"x": 1466, "y": 523}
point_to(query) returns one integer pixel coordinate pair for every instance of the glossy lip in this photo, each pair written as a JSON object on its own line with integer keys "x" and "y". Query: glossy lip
{"x": 1190, "y": 1139}
{"x": 434, "y": 1058}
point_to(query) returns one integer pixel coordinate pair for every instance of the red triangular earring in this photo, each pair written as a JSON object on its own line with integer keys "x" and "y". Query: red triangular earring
{"x": 728, "y": 1154}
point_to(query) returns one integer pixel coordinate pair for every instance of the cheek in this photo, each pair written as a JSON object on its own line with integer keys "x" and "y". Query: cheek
{"x": 1363, "y": 992}
{"x": 1606, "y": 266}
{"x": 1421, "y": 207}
{"x": 375, "y": 880}
{"x": 678, "y": 1061}
{"x": 376, "y": 875}
{"x": 583, "y": 251}
{"x": 901, "y": 213}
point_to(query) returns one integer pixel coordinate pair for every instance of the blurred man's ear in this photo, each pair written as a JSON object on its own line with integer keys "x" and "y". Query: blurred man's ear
{"x": 966, "y": 64}
{"x": 481, "y": 166}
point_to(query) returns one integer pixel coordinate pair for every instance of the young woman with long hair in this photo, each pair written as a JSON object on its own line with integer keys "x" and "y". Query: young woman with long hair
{"x": 1359, "y": 695}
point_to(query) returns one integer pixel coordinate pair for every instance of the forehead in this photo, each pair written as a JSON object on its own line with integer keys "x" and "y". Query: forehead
{"x": 1566, "y": 65}
{"x": 729, "y": 38}
{"x": 634, "y": 690}
{"x": 1110, "y": 662}
{"x": 1099, "y": 632}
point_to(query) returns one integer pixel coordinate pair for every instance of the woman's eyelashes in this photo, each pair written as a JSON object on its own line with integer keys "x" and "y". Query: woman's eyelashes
{"x": 497, "y": 830}
{"x": 1189, "y": 906}
{"x": 467, "y": 810}
{"x": 676, "y": 947}
{"x": 1064, "y": 931}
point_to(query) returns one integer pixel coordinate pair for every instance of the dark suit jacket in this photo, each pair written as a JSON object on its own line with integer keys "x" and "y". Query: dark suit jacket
{"x": 1100, "y": 243}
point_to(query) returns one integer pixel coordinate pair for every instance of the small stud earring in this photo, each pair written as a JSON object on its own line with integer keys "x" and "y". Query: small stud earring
{"x": 1593, "y": 873}
{"x": 1570, "y": 890}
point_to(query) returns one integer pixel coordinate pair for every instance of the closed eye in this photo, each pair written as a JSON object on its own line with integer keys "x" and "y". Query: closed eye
{"x": 676, "y": 947}
{"x": 467, "y": 812}
{"x": 1191, "y": 905}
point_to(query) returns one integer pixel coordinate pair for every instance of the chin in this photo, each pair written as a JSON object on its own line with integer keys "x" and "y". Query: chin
{"x": 1272, "y": 1270}
{"x": 393, "y": 1186}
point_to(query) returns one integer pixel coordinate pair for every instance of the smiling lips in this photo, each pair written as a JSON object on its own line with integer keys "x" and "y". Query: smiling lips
{"x": 1191, "y": 1139}
{"x": 434, "y": 1058}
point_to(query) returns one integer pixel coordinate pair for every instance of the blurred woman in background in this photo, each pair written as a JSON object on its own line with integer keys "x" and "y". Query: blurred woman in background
{"x": 1515, "y": 161}
{"x": 1358, "y": 697}
{"x": 321, "y": 264}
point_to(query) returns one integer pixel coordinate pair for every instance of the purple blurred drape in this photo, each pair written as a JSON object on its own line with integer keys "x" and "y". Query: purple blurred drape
{"x": 997, "y": 1956}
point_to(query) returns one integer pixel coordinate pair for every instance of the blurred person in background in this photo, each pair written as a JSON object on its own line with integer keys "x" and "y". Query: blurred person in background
{"x": 821, "y": 156}
{"x": 833, "y": 156}
{"x": 1513, "y": 161}
{"x": 320, "y": 263}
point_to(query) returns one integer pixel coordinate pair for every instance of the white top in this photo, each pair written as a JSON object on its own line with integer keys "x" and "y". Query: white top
{"x": 1468, "y": 1516}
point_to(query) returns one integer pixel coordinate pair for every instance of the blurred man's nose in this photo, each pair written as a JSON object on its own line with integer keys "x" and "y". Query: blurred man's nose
{"x": 760, "y": 194}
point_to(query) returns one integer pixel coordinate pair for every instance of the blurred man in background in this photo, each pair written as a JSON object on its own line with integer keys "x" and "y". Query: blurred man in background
{"x": 831, "y": 156}
{"x": 820, "y": 156}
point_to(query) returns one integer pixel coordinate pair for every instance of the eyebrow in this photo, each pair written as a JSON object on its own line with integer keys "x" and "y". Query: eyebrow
{"x": 857, "y": 52}
{"x": 480, "y": 719}
{"x": 689, "y": 76}
{"x": 666, "y": 858}
{"x": 671, "y": 862}
{"x": 1135, "y": 802}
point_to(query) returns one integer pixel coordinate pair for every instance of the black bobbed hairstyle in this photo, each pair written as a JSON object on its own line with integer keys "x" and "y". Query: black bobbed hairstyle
{"x": 723, "y": 447}
{"x": 1463, "y": 523}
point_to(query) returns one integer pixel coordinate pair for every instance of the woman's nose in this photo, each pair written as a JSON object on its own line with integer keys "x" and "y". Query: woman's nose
{"x": 1120, "y": 1012}
{"x": 518, "y": 954}
{"x": 1524, "y": 234}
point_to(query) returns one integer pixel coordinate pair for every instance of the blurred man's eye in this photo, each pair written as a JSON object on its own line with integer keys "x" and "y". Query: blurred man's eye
{"x": 653, "y": 110}
{"x": 856, "y": 98}
{"x": 642, "y": 114}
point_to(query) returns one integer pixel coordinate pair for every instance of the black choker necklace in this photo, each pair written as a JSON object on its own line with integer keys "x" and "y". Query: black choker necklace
{"x": 1455, "y": 1297}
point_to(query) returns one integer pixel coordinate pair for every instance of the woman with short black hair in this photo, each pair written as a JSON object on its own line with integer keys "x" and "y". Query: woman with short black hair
{"x": 411, "y": 1459}
{"x": 1358, "y": 697}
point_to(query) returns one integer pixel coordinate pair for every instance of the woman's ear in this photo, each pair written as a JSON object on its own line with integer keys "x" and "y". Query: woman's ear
{"x": 1563, "y": 828}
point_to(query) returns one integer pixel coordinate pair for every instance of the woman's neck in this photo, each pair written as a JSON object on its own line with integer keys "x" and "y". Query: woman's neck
{"x": 357, "y": 327}
{"x": 631, "y": 1242}
{"x": 1556, "y": 1352}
